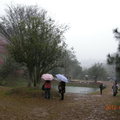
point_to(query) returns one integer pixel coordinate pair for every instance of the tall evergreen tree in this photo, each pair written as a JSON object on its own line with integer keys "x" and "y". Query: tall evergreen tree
{"x": 115, "y": 58}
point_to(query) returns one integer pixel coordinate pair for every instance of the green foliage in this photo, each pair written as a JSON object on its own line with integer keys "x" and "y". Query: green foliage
{"x": 115, "y": 59}
{"x": 34, "y": 39}
{"x": 70, "y": 66}
{"x": 110, "y": 59}
{"x": 12, "y": 81}
{"x": 9, "y": 67}
{"x": 97, "y": 71}
{"x": 2, "y": 83}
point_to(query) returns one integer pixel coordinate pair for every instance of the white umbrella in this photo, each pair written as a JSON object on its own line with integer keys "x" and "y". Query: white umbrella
{"x": 61, "y": 78}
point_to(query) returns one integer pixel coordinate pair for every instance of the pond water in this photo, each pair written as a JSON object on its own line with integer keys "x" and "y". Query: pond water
{"x": 81, "y": 90}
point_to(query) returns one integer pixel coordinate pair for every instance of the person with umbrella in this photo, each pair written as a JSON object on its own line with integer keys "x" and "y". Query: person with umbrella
{"x": 47, "y": 85}
{"x": 61, "y": 88}
{"x": 62, "y": 84}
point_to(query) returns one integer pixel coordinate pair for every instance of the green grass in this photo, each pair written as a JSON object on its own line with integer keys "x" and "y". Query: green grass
{"x": 26, "y": 92}
{"x": 14, "y": 82}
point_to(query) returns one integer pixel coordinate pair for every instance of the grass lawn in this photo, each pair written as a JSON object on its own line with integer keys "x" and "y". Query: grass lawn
{"x": 23, "y": 103}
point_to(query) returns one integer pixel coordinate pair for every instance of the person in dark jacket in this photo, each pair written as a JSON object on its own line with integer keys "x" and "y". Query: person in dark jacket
{"x": 47, "y": 87}
{"x": 61, "y": 88}
{"x": 115, "y": 88}
{"x": 101, "y": 88}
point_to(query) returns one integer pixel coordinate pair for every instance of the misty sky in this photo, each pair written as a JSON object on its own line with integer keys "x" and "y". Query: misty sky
{"x": 90, "y": 24}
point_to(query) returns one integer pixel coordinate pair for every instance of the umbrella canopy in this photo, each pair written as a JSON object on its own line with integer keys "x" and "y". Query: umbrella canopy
{"x": 61, "y": 77}
{"x": 99, "y": 82}
{"x": 47, "y": 77}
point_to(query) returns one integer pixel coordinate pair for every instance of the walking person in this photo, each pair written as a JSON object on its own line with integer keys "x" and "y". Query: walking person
{"x": 61, "y": 88}
{"x": 101, "y": 88}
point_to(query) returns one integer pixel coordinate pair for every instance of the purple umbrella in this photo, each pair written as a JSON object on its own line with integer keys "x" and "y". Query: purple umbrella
{"x": 61, "y": 78}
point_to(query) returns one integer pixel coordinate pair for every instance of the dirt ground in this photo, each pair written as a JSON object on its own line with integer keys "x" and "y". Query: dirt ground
{"x": 74, "y": 107}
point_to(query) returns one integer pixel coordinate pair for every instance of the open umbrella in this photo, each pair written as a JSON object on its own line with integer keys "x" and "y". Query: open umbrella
{"x": 47, "y": 77}
{"x": 61, "y": 77}
{"x": 100, "y": 82}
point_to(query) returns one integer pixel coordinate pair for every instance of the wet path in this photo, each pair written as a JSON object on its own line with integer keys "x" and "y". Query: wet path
{"x": 74, "y": 107}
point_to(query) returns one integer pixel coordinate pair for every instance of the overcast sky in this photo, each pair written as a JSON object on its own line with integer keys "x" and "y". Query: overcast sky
{"x": 90, "y": 24}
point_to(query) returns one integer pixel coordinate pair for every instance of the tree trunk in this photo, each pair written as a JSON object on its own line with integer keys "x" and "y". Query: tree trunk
{"x": 95, "y": 79}
{"x": 35, "y": 77}
{"x": 117, "y": 73}
{"x": 29, "y": 84}
{"x": 35, "y": 84}
{"x": 30, "y": 79}
{"x": 38, "y": 75}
